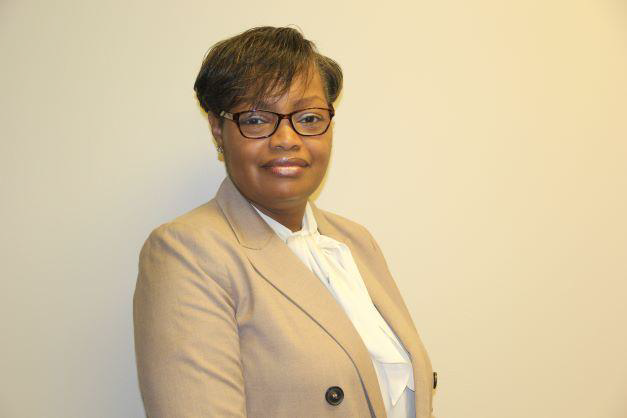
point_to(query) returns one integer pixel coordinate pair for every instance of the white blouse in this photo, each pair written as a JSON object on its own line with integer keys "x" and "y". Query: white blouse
{"x": 332, "y": 262}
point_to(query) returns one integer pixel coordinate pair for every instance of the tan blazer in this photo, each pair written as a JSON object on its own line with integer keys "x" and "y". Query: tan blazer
{"x": 230, "y": 323}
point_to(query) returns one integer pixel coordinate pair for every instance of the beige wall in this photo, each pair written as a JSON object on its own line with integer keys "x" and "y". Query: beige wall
{"x": 484, "y": 144}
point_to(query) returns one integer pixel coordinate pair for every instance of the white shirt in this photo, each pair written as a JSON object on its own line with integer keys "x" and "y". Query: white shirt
{"x": 332, "y": 262}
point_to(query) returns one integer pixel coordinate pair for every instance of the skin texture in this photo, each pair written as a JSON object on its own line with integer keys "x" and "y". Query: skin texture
{"x": 280, "y": 197}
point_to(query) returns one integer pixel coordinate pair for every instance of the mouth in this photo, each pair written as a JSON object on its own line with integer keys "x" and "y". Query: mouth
{"x": 286, "y": 167}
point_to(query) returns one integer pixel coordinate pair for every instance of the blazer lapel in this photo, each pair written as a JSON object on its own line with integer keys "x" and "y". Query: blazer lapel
{"x": 397, "y": 318}
{"x": 402, "y": 325}
{"x": 284, "y": 270}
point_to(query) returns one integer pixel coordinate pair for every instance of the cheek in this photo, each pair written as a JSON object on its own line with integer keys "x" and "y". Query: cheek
{"x": 237, "y": 162}
{"x": 321, "y": 152}
{"x": 234, "y": 148}
{"x": 242, "y": 159}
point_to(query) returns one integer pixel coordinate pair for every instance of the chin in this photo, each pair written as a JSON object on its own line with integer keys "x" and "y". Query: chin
{"x": 288, "y": 192}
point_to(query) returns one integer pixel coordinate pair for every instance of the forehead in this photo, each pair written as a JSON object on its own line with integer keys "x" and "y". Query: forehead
{"x": 305, "y": 90}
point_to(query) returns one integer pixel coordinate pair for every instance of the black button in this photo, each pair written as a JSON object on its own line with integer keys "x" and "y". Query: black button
{"x": 334, "y": 395}
{"x": 435, "y": 380}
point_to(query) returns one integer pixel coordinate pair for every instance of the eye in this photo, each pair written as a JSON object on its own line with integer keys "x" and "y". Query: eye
{"x": 254, "y": 118}
{"x": 309, "y": 118}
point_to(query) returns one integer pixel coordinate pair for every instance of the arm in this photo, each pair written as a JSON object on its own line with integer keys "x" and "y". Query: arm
{"x": 186, "y": 337}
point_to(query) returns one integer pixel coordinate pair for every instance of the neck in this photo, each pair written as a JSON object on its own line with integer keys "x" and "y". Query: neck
{"x": 291, "y": 218}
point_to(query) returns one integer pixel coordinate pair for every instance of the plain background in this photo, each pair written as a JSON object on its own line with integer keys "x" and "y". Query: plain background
{"x": 483, "y": 143}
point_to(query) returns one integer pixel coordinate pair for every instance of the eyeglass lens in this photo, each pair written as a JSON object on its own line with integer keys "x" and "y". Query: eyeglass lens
{"x": 258, "y": 124}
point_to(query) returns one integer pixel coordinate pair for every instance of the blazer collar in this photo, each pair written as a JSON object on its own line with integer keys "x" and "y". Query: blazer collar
{"x": 251, "y": 231}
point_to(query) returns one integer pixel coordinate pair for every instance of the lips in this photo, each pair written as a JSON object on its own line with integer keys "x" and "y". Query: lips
{"x": 286, "y": 167}
{"x": 286, "y": 162}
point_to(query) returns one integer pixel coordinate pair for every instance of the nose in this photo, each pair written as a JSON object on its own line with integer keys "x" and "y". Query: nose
{"x": 285, "y": 136}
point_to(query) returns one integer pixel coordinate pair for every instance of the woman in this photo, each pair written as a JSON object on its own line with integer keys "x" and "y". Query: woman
{"x": 258, "y": 303}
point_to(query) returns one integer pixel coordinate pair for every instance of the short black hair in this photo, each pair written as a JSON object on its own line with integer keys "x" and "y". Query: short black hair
{"x": 259, "y": 63}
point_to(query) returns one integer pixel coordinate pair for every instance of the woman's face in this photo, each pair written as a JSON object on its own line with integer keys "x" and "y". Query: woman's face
{"x": 257, "y": 166}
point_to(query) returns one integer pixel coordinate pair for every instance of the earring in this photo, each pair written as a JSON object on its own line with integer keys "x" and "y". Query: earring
{"x": 220, "y": 149}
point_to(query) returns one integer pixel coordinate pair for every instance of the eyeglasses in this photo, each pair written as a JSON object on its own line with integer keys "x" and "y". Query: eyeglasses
{"x": 257, "y": 124}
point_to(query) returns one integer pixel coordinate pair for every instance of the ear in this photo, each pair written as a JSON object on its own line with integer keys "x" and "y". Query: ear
{"x": 216, "y": 128}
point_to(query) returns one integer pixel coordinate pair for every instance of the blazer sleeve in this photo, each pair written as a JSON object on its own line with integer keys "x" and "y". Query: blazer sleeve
{"x": 186, "y": 335}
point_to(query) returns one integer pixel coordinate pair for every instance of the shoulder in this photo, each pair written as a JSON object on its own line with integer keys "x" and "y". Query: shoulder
{"x": 342, "y": 223}
{"x": 361, "y": 242}
{"x": 204, "y": 218}
{"x": 348, "y": 228}
{"x": 204, "y": 223}
{"x": 196, "y": 239}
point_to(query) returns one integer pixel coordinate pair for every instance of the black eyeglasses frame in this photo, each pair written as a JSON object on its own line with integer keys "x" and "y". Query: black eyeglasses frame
{"x": 235, "y": 118}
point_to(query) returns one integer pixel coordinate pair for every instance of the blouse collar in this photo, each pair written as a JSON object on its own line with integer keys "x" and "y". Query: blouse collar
{"x": 308, "y": 225}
